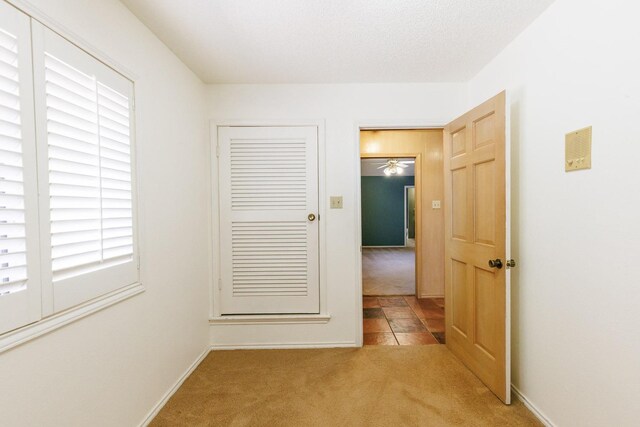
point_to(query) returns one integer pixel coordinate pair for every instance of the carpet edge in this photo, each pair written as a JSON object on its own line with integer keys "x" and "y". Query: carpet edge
{"x": 155, "y": 410}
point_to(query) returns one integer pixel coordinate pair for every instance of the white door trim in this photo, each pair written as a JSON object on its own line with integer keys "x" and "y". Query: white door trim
{"x": 406, "y": 202}
{"x": 372, "y": 125}
{"x": 214, "y": 220}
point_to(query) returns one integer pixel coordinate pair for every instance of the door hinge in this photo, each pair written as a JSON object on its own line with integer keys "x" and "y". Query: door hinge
{"x": 138, "y": 262}
{"x": 219, "y": 284}
{"x": 217, "y": 150}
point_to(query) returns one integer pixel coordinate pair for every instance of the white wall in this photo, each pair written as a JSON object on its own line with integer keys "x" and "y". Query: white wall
{"x": 342, "y": 107}
{"x": 111, "y": 368}
{"x": 576, "y": 235}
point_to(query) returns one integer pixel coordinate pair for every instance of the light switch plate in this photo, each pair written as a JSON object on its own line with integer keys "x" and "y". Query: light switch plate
{"x": 577, "y": 150}
{"x": 435, "y": 204}
{"x": 336, "y": 202}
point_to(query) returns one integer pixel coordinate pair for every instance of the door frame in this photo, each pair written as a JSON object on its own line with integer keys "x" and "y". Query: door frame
{"x": 214, "y": 224}
{"x": 406, "y": 203}
{"x": 372, "y": 125}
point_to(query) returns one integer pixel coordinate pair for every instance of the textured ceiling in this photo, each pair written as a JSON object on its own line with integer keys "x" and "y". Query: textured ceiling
{"x": 336, "y": 41}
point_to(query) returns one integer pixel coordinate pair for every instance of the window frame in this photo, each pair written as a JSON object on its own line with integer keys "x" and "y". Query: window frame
{"x": 47, "y": 319}
{"x": 76, "y": 290}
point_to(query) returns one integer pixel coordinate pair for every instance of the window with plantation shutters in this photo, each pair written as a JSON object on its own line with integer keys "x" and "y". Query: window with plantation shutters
{"x": 89, "y": 171}
{"x": 19, "y": 276}
{"x": 85, "y": 175}
{"x": 67, "y": 181}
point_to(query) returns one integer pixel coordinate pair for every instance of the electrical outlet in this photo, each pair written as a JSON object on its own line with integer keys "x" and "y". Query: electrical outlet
{"x": 336, "y": 202}
{"x": 435, "y": 204}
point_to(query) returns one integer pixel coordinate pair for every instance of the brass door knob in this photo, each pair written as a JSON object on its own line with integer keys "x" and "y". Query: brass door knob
{"x": 311, "y": 217}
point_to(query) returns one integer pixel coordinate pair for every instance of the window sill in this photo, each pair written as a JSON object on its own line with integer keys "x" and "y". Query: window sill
{"x": 25, "y": 334}
{"x": 272, "y": 319}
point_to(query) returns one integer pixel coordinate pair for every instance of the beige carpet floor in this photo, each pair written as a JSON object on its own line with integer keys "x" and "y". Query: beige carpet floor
{"x": 388, "y": 271}
{"x": 370, "y": 386}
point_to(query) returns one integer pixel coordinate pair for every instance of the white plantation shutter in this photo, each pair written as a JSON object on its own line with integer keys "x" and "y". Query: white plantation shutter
{"x": 85, "y": 152}
{"x": 19, "y": 276}
{"x": 13, "y": 261}
{"x": 269, "y": 248}
{"x": 74, "y": 168}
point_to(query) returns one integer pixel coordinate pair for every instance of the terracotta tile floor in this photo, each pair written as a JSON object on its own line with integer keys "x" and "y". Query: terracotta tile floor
{"x": 404, "y": 320}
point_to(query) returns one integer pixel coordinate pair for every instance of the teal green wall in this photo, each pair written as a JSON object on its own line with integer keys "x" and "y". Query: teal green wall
{"x": 383, "y": 210}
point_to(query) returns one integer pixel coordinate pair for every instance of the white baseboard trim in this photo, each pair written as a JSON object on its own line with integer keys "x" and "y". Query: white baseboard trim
{"x": 530, "y": 406}
{"x": 270, "y": 346}
{"x": 158, "y": 406}
{"x": 277, "y": 319}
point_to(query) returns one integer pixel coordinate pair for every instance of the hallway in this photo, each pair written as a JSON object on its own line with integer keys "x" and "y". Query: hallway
{"x": 388, "y": 271}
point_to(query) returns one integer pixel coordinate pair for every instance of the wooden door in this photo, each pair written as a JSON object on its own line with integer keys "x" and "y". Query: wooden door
{"x": 477, "y": 294}
{"x": 268, "y": 186}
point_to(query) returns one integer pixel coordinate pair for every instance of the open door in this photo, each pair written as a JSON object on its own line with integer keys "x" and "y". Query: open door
{"x": 477, "y": 293}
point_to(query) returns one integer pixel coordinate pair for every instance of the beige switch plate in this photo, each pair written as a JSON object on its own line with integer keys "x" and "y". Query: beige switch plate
{"x": 336, "y": 202}
{"x": 577, "y": 150}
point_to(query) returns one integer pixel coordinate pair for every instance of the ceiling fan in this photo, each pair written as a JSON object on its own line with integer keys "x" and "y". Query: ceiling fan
{"x": 395, "y": 166}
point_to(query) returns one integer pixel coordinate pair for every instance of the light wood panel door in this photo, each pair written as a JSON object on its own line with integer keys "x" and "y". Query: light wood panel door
{"x": 477, "y": 293}
{"x": 269, "y": 220}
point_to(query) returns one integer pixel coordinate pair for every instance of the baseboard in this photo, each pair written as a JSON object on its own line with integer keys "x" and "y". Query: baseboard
{"x": 530, "y": 406}
{"x": 431, "y": 296}
{"x": 282, "y": 346}
{"x": 158, "y": 406}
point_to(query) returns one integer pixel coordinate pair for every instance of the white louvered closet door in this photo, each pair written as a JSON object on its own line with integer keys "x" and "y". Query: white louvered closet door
{"x": 84, "y": 119}
{"x": 268, "y": 181}
{"x": 19, "y": 256}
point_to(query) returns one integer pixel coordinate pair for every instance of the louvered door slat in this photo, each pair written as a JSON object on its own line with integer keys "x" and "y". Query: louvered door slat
{"x": 269, "y": 184}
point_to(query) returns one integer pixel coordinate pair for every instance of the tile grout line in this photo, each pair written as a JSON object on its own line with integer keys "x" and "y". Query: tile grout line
{"x": 423, "y": 321}
{"x": 388, "y": 323}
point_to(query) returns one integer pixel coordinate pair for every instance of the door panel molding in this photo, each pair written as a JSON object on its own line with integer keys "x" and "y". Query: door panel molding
{"x": 477, "y": 297}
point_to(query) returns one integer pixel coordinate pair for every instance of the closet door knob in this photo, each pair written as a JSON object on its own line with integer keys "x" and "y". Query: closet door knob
{"x": 311, "y": 217}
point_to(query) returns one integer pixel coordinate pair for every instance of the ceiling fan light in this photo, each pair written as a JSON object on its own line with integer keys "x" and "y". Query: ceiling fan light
{"x": 387, "y": 171}
{"x": 399, "y": 171}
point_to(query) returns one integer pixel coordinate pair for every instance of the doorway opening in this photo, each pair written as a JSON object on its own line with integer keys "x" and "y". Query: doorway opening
{"x": 388, "y": 253}
{"x": 410, "y": 216}
{"x": 400, "y": 304}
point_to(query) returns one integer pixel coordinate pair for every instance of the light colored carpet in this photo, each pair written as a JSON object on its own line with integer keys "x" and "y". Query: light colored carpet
{"x": 389, "y": 271}
{"x": 370, "y": 386}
